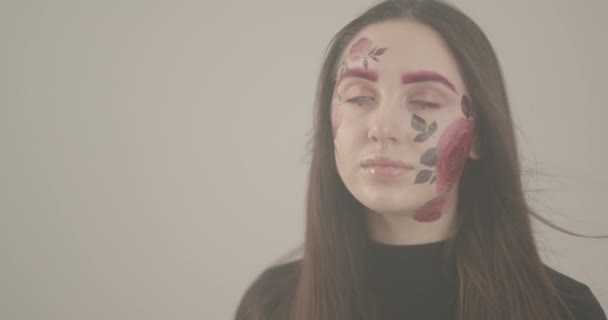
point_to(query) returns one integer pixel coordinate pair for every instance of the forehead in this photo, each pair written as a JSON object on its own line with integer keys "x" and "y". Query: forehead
{"x": 410, "y": 46}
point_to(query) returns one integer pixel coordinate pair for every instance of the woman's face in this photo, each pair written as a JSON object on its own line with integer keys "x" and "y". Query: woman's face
{"x": 399, "y": 95}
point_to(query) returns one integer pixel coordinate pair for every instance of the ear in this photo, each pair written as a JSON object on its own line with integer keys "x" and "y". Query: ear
{"x": 474, "y": 150}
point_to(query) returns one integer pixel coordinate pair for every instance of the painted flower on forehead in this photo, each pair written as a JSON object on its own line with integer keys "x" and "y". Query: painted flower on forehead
{"x": 360, "y": 49}
{"x": 452, "y": 152}
{"x": 364, "y": 49}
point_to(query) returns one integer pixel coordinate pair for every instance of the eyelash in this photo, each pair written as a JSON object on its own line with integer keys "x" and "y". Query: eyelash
{"x": 419, "y": 102}
{"x": 426, "y": 103}
{"x": 361, "y": 99}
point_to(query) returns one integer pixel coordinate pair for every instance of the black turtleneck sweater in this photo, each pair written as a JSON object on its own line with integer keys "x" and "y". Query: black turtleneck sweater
{"x": 415, "y": 282}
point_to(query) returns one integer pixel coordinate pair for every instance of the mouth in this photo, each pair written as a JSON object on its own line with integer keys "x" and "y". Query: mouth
{"x": 382, "y": 161}
{"x": 386, "y": 171}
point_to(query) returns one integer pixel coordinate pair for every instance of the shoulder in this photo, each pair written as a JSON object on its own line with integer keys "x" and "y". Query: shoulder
{"x": 577, "y": 296}
{"x": 278, "y": 273}
{"x": 268, "y": 291}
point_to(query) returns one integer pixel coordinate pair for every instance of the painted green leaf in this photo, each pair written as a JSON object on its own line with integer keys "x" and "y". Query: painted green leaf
{"x": 423, "y": 176}
{"x": 432, "y": 127}
{"x": 380, "y": 51}
{"x": 429, "y": 157}
{"x": 418, "y": 123}
{"x": 421, "y": 137}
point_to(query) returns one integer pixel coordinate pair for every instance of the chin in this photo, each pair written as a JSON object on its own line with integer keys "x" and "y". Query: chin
{"x": 390, "y": 205}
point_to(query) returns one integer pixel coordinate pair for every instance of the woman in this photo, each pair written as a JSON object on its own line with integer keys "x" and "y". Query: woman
{"x": 415, "y": 207}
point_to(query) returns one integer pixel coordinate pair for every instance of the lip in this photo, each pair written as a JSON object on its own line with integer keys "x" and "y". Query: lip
{"x": 384, "y": 166}
{"x": 378, "y": 161}
{"x": 385, "y": 171}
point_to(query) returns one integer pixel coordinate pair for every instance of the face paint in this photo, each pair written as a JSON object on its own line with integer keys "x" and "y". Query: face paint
{"x": 432, "y": 210}
{"x": 451, "y": 155}
{"x": 453, "y": 149}
{"x": 429, "y": 157}
{"x": 427, "y": 76}
{"x": 454, "y": 144}
{"x": 356, "y": 72}
{"x": 361, "y": 52}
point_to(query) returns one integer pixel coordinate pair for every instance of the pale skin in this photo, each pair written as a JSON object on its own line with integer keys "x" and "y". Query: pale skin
{"x": 399, "y": 93}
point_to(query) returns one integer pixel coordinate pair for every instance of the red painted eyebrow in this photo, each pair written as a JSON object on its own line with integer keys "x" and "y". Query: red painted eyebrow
{"x": 420, "y": 76}
{"x": 367, "y": 74}
{"x": 406, "y": 78}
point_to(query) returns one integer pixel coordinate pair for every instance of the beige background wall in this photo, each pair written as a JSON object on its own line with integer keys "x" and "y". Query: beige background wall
{"x": 153, "y": 155}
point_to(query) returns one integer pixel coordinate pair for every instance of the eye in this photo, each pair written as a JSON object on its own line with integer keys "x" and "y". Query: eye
{"x": 425, "y": 104}
{"x": 361, "y": 99}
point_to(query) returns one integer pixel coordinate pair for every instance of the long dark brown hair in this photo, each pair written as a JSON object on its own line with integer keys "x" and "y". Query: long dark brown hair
{"x": 500, "y": 272}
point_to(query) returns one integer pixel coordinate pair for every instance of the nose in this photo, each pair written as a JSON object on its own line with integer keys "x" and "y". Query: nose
{"x": 388, "y": 123}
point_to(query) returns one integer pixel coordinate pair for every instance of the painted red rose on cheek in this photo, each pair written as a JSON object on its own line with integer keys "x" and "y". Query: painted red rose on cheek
{"x": 432, "y": 210}
{"x": 452, "y": 152}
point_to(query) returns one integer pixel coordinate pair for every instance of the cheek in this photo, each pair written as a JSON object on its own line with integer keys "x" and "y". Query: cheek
{"x": 336, "y": 118}
{"x": 452, "y": 149}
